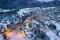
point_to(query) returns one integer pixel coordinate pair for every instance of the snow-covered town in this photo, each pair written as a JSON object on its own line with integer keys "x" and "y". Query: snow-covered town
{"x": 30, "y": 24}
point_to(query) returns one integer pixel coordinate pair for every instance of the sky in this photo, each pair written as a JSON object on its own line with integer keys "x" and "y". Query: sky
{"x": 45, "y": 0}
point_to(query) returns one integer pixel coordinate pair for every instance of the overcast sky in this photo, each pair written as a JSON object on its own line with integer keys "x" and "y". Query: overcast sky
{"x": 45, "y": 0}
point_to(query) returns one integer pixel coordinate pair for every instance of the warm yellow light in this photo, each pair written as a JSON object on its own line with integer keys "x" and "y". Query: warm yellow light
{"x": 8, "y": 33}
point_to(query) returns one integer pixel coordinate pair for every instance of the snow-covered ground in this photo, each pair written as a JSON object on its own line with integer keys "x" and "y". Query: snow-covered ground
{"x": 52, "y": 35}
{"x": 1, "y": 36}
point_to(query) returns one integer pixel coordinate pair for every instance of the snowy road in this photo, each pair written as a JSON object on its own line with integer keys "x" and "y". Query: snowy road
{"x": 52, "y": 35}
{"x": 1, "y": 37}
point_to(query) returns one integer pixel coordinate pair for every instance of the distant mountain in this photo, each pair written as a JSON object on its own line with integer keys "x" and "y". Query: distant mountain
{"x": 47, "y": 4}
{"x": 17, "y": 4}
{"x": 53, "y": 3}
